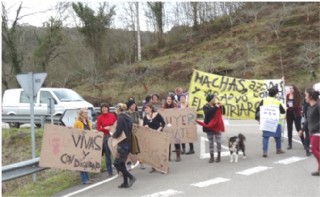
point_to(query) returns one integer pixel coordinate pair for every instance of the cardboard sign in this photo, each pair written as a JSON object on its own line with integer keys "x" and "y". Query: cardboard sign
{"x": 180, "y": 124}
{"x": 154, "y": 148}
{"x": 71, "y": 149}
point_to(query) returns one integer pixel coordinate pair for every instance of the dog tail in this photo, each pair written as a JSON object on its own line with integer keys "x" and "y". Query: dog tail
{"x": 241, "y": 137}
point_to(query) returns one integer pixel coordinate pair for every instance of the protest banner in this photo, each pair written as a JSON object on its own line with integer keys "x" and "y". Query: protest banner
{"x": 71, "y": 149}
{"x": 240, "y": 97}
{"x": 154, "y": 148}
{"x": 180, "y": 124}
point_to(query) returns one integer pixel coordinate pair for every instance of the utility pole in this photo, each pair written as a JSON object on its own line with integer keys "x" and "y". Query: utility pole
{"x": 138, "y": 33}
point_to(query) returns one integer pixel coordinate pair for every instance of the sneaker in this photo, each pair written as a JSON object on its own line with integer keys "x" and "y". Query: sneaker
{"x": 123, "y": 185}
{"x": 131, "y": 181}
{"x": 87, "y": 182}
{"x": 315, "y": 174}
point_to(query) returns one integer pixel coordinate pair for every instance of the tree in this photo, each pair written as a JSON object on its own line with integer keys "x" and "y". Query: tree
{"x": 10, "y": 37}
{"x": 45, "y": 52}
{"x": 157, "y": 16}
{"x": 94, "y": 28}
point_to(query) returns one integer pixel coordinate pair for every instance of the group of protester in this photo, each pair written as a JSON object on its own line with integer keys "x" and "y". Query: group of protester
{"x": 213, "y": 126}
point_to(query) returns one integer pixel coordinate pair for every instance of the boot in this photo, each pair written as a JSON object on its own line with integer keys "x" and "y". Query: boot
{"x": 302, "y": 139}
{"x": 219, "y": 157}
{"x": 183, "y": 149}
{"x": 279, "y": 151}
{"x": 191, "y": 151}
{"x": 289, "y": 145}
{"x": 211, "y": 160}
{"x": 178, "y": 158}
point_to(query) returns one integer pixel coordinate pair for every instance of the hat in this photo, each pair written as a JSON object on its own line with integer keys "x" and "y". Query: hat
{"x": 209, "y": 97}
{"x": 273, "y": 90}
{"x": 129, "y": 103}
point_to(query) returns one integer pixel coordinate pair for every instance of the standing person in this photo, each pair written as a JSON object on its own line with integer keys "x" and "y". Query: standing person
{"x": 184, "y": 104}
{"x": 124, "y": 124}
{"x": 146, "y": 101}
{"x": 271, "y": 100}
{"x": 304, "y": 128}
{"x": 155, "y": 100}
{"x": 134, "y": 114}
{"x": 83, "y": 122}
{"x": 213, "y": 113}
{"x": 104, "y": 123}
{"x": 153, "y": 120}
{"x": 169, "y": 104}
{"x": 313, "y": 122}
{"x": 293, "y": 114}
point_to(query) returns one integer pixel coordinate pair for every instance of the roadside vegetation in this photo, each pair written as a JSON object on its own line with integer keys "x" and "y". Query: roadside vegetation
{"x": 256, "y": 41}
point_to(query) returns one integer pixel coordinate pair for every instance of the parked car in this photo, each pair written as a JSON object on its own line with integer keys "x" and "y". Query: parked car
{"x": 16, "y": 102}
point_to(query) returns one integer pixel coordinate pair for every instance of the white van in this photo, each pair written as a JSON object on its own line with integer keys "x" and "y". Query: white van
{"x": 16, "y": 102}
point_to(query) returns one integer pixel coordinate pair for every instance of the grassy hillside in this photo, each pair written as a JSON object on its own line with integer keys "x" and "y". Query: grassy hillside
{"x": 284, "y": 41}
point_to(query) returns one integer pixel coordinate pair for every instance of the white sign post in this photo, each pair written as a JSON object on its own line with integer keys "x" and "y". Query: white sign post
{"x": 31, "y": 84}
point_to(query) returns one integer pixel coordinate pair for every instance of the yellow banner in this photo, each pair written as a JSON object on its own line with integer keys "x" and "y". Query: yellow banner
{"x": 240, "y": 97}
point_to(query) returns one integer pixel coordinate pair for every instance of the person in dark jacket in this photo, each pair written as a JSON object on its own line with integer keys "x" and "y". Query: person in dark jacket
{"x": 313, "y": 122}
{"x": 124, "y": 124}
{"x": 304, "y": 128}
{"x": 293, "y": 114}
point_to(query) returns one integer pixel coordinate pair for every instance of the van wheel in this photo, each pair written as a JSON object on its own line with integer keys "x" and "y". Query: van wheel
{"x": 14, "y": 124}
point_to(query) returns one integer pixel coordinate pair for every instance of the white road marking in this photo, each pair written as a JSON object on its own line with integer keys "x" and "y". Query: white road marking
{"x": 205, "y": 155}
{"x": 210, "y": 182}
{"x": 96, "y": 184}
{"x": 169, "y": 192}
{"x": 254, "y": 170}
{"x": 290, "y": 160}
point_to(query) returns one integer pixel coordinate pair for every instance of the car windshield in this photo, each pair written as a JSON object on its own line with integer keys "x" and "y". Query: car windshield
{"x": 66, "y": 95}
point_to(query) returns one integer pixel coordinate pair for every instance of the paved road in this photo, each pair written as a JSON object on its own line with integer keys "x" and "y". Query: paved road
{"x": 287, "y": 174}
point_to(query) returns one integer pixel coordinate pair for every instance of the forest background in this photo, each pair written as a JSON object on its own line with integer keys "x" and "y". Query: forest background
{"x": 265, "y": 40}
{"x": 250, "y": 40}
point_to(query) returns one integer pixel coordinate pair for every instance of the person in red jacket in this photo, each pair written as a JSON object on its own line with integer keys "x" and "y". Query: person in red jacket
{"x": 104, "y": 123}
{"x": 213, "y": 125}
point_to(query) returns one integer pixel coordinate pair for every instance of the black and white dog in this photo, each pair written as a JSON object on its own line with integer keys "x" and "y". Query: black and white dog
{"x": 236, "y": 143}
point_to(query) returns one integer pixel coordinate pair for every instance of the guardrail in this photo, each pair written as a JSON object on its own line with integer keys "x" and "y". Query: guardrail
{"x": 20, "y": 169}
{"x": 28, "y": 167}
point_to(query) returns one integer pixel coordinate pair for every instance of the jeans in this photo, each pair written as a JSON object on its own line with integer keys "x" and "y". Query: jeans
{"x": 107, "y": 154}
{"x": 276, "y": 135}
{"x": 84, "y": 177}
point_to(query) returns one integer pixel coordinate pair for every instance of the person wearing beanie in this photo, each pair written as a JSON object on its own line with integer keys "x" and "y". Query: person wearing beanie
{"x": 213, "y": 125}
{"x": 135, "y": 116}
{"x": 271, "y": 100}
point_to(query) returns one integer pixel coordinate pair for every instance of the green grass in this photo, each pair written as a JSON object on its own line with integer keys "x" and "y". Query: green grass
{"x": 16, "y": 147}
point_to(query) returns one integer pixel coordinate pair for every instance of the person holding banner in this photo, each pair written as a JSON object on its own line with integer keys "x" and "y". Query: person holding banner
{"x": 213, "y": 125}
{"x": 83, "y": 122}
{"x": 272, "y": 101}
{"x": 105, "y": 121}
{"x": 169, "y": 104}
{"x": 124, "y": 125}
{"x": 153, "y": 120}
{"x": 293, "y": 114}
{"x": 313, "y": 123}
{"x": 182, "y": 103}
